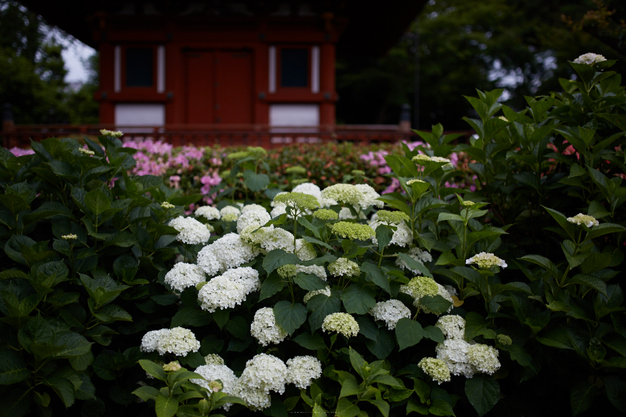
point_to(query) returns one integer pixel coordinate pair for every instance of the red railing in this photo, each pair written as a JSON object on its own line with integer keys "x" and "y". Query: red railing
{"x": 207, "y": 135}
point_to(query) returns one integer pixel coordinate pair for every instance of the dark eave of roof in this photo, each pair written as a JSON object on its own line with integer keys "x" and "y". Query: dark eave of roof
{"x": 372, "y": 27}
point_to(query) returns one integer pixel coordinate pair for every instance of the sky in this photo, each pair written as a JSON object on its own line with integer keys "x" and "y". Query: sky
{"x": 73, "y": 55}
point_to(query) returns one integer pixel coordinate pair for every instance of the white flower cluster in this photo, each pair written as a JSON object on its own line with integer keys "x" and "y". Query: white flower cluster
{"x": 190, "y": 230}
{"x": 463, "y": 357}
{"x": 227, "y": 252}
{"x": 419, "y": 255}
{"x": 344, "y": 266}
{"x": 213, "y": 359}
{"x": 252, "y": 215}
{"x": 589, "y": 59}
{"x": 229, "y": 289}
{"x": 581, "y": 219}
{"x": 486, "y": 260}
{"x": 342, "y": 323}
{"x": 178, "y": 341}
{"x": 361, "y": 195}
{"x": 208, "y": 212}
{"x": 325, "y": 291}
{"x": 184, "y": 275}
{"x": 390, "y": 311}
{"x": 436, "y": 369}
{"x": 302, "y": 370}
{"x": 264, "y": 327}
{"x": 420, "y": 287}
{"x": 230, "y": 214}
{"x": 214, "y": 372}
{"x": 402, "y": 236}
{"x": 262, "y": 375}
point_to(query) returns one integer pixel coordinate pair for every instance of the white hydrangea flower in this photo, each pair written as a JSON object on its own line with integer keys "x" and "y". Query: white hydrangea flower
{"x": 343, "y": 193}
{"x": 229, "y": 289}
{"x": 581, "y": 219}
{"x": 342, "y": 323}
{"x": 302, "y": 370}
{"x": 230, "y": 213}
{"x": 452, "y": 326}
{"x": 184, "y": 275}
{"x": 317, "y": 270}
{"x": 369, "y": 197}
{"x": 402, "y": 236}
{"x": 216, "y": 372}
{"x": 150, "y": 341}
{"x": 190, "y": 230}
{"x": 454, "y": 353}
{"x": 419, "y": 255}
{"x": 178, "y": 341}
{"x": 315, "y": 191}
{"x": 229, "y": 251}
{"x": 264, "y": 327}
{"x": 436, "y": 369}
{"x": 266, "y": 373}
{"x": 344, "y": 266}
{"x": 483, "y": 358}
{"x": 326, "y": 291}
{"x": 252, "y": 217}
{"x": 486, "y": 260}
{"x": 305, "y": 251}
{"x": 390, "y": 311}
{"x": 213, "y": 359}
{"x": 346, "y": 214}
{"x": 279, "y": 210}
{"x": 255, "y": 399}
{"x": 208, "y": 212}
{"x": 589, "y": 59}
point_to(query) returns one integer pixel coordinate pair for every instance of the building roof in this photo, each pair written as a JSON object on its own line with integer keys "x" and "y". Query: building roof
{"x": 370, "y": 28}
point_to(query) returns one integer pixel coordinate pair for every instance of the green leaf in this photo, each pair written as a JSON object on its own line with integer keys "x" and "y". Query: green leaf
{"x": 188, "y": 316}
{"x": 382, "y": 345}
{"x": 415, "y": 265}
{"x": 408, "y": 333}
{"x": 374, "y": 275}
{"x": 483, "y": 392}
{"x": 12, "y": 368}
{"x": 153, "y": 369}
{"x": 582, "y": 395}
{"x": 290, "y": 316}
{"x": 414, "y": 406}
{"x": 270, "y": 286}
{"x": 383, "y": 236}
{"x": 277, "y": 258}
{"x": 441, "y": 407}
{"x": 166, "y": 406}
{"x": 556, "y": 337}
{"x": 345, "y": 408}
{"x": 97, "y": 201}
{"x": 615, "y": 388}
{"x": 383, "y": 406}
{"x": 309, "y": 282}
{"x": 310, "y": 341}
{"x": 63, "y": 388}
{"x": 256, "y": 182}
{"x": 73, "y": 344}
{"x": 349, "y": 386}
{"x": 590, "y": 281}
{"x": 437, "y": 304}
{"x": 147, "y": 393}
{"x": 320, "y": 307}
{"x": 358, "y": 299}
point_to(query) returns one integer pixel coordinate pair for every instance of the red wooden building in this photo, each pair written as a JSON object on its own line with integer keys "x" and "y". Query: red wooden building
{"x": 225, "y": 62}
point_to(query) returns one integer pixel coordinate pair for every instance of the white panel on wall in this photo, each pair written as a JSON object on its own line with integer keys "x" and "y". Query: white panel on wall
{"x": 117, "y": 69}
{"x": 272, "y": 70}
{"x": 161, "y": 69}
{"x": 295, "y": 118}
{"x": 315, "y": 69}
{"x": 129, "y": 115}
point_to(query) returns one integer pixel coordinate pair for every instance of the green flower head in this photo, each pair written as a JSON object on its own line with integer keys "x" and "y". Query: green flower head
{"x": 297, "y": 170}
{"x": 325, "y": 214}
{"x": 287, "y": 271}
{"x": 354, "y": 231}
{"x": 436, "y": 369}
{"x": 238, "y": 155}
{"x": 396, "y": 217}
{"x": 256, "y": 151}
{"x": 300, "y": 201}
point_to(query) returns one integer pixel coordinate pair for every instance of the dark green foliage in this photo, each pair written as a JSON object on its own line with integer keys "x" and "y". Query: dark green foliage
{"x": 80, "y": 242}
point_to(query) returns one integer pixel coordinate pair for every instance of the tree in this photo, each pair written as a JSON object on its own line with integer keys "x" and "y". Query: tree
{"x": 464, "y": 45}
{"x": 32, "y": 72}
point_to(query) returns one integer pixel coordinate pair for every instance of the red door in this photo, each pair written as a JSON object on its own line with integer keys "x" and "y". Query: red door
{"x": 219, "y": 86}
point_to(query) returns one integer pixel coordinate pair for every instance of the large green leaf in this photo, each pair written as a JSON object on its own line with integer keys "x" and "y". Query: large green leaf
{"x": 582, "y": 396}
{"x": 256, "y": 182}
{"x": 290, "y": 316}
{"x": 408, "y": 333}
{"x": 320, "y": 307}
{"x": 373, "y": 274}
{"x": 358, "y": 299}
{"x": 13, "y": 368}
{"x": 166, "y": 406}
{"x": 271, "y": 285}
{"x": 483, "y": 392}
{"x": 97, "y": 201}
{"x": 277, "y": 258}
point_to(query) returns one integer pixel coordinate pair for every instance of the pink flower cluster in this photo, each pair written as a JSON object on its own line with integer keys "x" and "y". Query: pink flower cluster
{"x": 21, "y": 152}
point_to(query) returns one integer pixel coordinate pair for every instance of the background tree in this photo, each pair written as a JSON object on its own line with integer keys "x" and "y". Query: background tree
{"x": 32, "y": 72}
{"x": 464, "y": 45}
